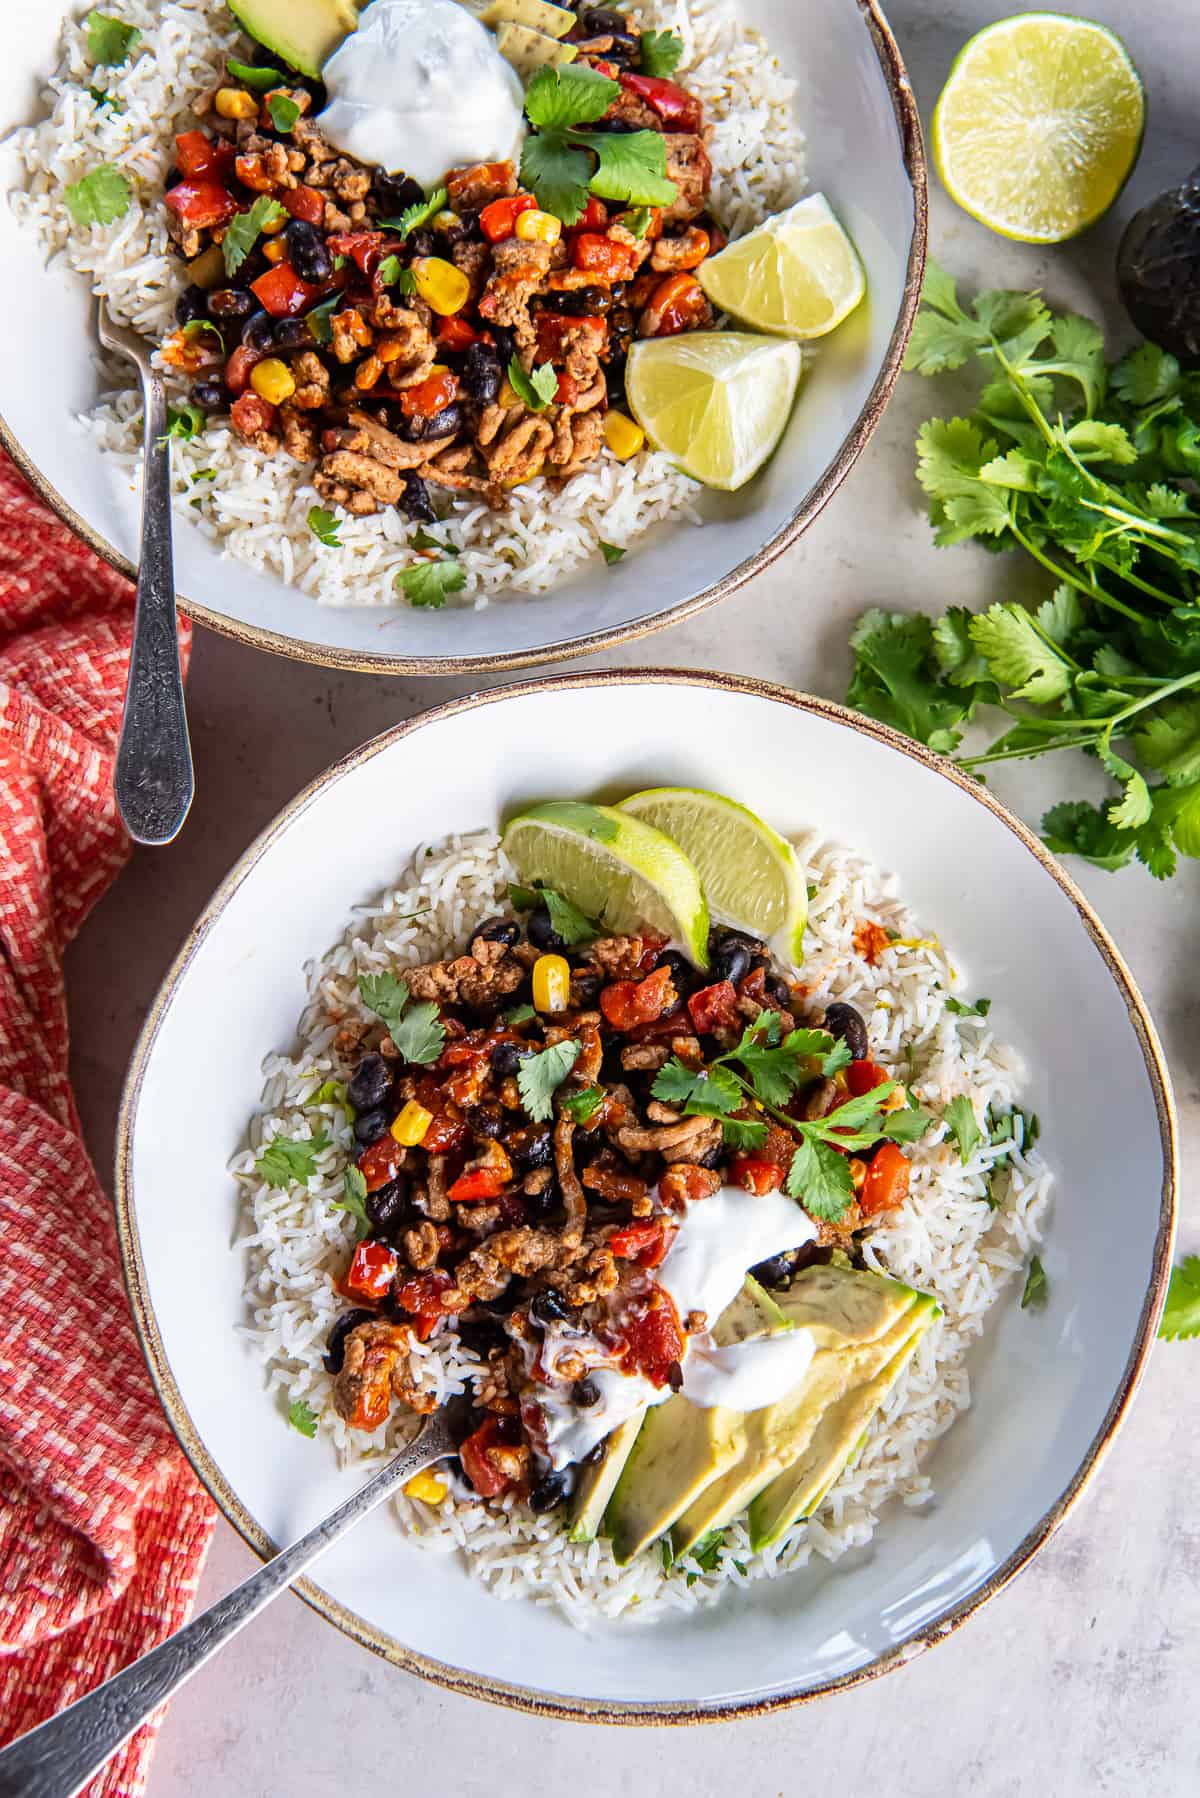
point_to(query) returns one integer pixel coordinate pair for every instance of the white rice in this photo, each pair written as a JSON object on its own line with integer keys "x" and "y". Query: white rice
{"x": 946, "y": 1239}
{"x": 256, "y": 507}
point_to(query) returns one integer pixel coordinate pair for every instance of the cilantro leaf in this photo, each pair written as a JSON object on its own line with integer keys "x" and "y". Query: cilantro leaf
{"x": 661, "y": 52}
{"x": 1076, "y": 828}
{"x": 386, "y": 996}
{"x": 612, "y": 555}
{"x": 743, "y": 1133}
{"x": 258, "y": 79}
{"x": 1037, "y": 1287}
{"x": 963, "y": 1126}
{"x": 557, "y": 174}
{"x": 1018, "y": 656}
{"x": 354, "y": 1200}
{"x": 701, "y": 1092}
{"x": 558, "y": 98}
{"x": 820, "y": 1178}
{"x": 775, "y": 1073}
{"x": 332, "y": 1092}
{"x": 393, "y": 273}
{"x": 896, "y": 679}
{"x": 287, "y": 1158}
{"x": 322, "y": 523}
{"x": 109, "y": 41}
{"x": 302, "y": 1417}
{"x": 422, "y": 539}
{"x": 184, "y": 421}
{"x": 243, "y": 231}
{"x": 421, "y": 1036}
{"x": 566, "y": 919}
{"x": 98, "y": 198}
{"x": 631, "y": 166}
{"x": 909, "y": 1125}
{"x": 318, "y": 323}
{"x": 284, "y": 113}
{"x": 102, "y": 97}
{"x": 519, "y": 1014}
{"x": 536, "y": 390}
{"x": 1181, "y": 1313}
{"x": 428, "y": 583}
{"x": 539, "y": 1077}
{"x": 416, "y": 215}
{"x": 979, "y": 1009}
{"x": 584, "y": 1105}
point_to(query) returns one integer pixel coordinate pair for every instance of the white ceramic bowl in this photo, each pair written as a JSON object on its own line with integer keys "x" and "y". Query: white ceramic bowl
{"x": 1049, "y": 1388}
{"x": 864, "y": 151}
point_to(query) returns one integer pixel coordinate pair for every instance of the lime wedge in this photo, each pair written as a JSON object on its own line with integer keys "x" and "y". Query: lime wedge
{"x": 750, "y": 873}
{"x": 717, "y": 401}
{"x": 797, "y": 275}
{"x": 1039, "y": 125}
{"x": 616, "y": 869}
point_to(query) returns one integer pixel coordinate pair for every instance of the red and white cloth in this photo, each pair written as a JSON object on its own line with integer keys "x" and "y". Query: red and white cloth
{"x": 103, "y": 1526}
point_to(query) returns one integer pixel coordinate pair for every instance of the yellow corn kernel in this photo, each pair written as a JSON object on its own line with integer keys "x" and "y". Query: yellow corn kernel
{"x": 272, "y": 381}
{"x": 445, "y": 220}
{"x": 444, "y": 288}
{"x": 427, "y": 1487}
{"x": 551, "y": 983}
{"x": 622, "y": 436}
{"x": 538, "y": 227}
{"x": 410, "y": 1127}
{"x": 858, "y": 1173}
{"x": 236, "y": 103}
{"x": 276, "y": 250}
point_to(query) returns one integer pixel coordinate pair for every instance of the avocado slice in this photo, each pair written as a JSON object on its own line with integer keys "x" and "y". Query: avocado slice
{"x": 528, "y": 51}
{"x": 798, "y": 1489}
{"x": 538, "y": 15}
{"x": 598, "y": 1479}
{"x": 843, "y": 1305}
{"x": 753, "y": 1313}
{"x": 679, "y": 1451}
{"x": 304, "y": 33}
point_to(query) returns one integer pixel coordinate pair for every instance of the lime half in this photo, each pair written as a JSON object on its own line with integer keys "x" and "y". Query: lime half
{"x": 750, "y": 873}
{"x": 797, "y": 275}
{"x": 716, "y": 401}
{"x": 615, "y": 868}
{"x": 1039, "y": 125}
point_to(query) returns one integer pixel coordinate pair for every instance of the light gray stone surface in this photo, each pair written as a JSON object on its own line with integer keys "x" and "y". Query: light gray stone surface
{"x": 1081, "y": 1678}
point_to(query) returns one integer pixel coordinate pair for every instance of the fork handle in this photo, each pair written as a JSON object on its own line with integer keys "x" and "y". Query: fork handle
{"x": 57, "y": 1759}
{"x": 153, "y": 780}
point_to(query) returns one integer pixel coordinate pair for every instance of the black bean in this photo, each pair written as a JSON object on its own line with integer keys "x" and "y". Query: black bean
{"x": 308, "y": 252}
{"x": 582, "y": 302}
{"x": 550, "y": 1307}
{"x": 395, "y": 193}
{"x": 775, "y": 1273}
{"x": 844, "y": 1022}
{"x": 497, "y": 930}
{"x": 481, "y": 1334}
{"x": 779, "y": 990}
{"x": 541, "y": 1205}
{"x": 258, "y": 332}
{"x": 467, "y": 230}
{"x": 542, "y": 933}
{"x": 505, "y": 1060}
{"x": 603, "y": 21}
{"x": 335, "y": 1342}
{"x": 172, "y": 178}
{"x": 422, "y": 242}
{"x": 388, "y": 1207}
{"x": 192, "y": 303}
{"x": 415, "y": 501}
{"x": 230, "y": 302}
{"x": 585, "y": 1393}
{"x": 506, "y": 343}
{"x": 683, "y": 974}
{"x": 712, "y": 1157}
{"x": 487, "y": 1121}
{"x": 482, "y": 374}
{"x": 730, "y": 961}
{"x": 369, "y": 1126}
{"x": 446, "y": 422}
{"x": 292, "y": 334}
{"x": 623, "y": 51}
{"x": 549, "y": 1493}
{"x": 585, "y": 989}
{"x": 370, "y": 1083}
{"x": 209, "y": 394}
{"x": 614, "y": 381}
{"x": 531, "y": 1147}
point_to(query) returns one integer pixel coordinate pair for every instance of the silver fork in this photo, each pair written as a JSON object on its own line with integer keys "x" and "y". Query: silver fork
{"x": 154, "y": 781}
{"x": 58, "y": 1758}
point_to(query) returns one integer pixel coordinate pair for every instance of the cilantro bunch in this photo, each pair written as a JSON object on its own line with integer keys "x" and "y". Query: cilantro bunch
{"x": 1091, "y": 469}
{"x": 562, "y": 164}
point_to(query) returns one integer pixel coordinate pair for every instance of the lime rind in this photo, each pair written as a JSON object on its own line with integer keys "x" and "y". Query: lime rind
{"x": 797, "y": 275}
{"x": 717, "y": 402}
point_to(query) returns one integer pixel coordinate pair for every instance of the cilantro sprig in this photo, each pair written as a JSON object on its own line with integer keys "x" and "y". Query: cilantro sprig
{"x": 416, "y": 1029}
{"x": 302, "y": 1417}
{"x": 1181, "y": 1313}
{"x": 540, "y": 1076}
{"x": 354, "y": 1200}
{"x": 536, "y": 389}
{"x": 428, "y": 583}
{"x": 562, "y": 163}
{"x": 100, "y": 197}
{"x": 286, "y": 1158}
{"x": 1089, "y": 467}
{"x": 566, "y": 919}
{"x": 244, "y": 230}
{"x": 110, "y": 41}
{"x": 416, "y": 215}
{"x": 661, "y": 52}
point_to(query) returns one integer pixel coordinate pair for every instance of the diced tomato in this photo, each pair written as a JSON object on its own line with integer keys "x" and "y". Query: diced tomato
{"x": 676, "y": 1022}
{"x": 594, "y": 216}
{"x": 655, "y": 1339}
{"x": 478, "y": 1183}
{"x": 456, "y": 334}
{"x": 870, "y": 940}
{"x": 304, "y": 203}
{"x": 421, "y": 1297}
{"x": 603, "y": 256}
{"x": 190, "y": 351}
{"x": 282, "y": 292}
{"x": 430, "y": 396}
{"x": 628, "y": 1003}
{"x": 499, "y": 220}
{"x": 249, "y": 415}
{"x": 567, "y": 391}
{"x": 684, "y": 1184}
{"x": 646, "y": 1243}
{"x": 609, "y": 70}
{"x": 360, "y": 246}
{"x": 475, "y": 1453}
{"x": 754, "y": 986}
{"x": 864, "y": 1076}
{"x": 652, "y": 947}
{"x": 678, "y": 110}
{"x": 371, "y": 1272}
{"x": 197, "y": 154}
{"x": 381, "y": 1162}
{"x": 677, "y": 305}
{"x": 754, "y": 1175}
{"x": 447, "y": 1133}
{"x": 886, "y": 1185}
{"x": 714, "y": 1007}
{"x": 552, "y": 327}
{"x": 201, "y": 203}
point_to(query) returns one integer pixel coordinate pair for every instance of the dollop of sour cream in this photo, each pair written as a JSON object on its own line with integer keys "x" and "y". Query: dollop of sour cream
{"x": 719, "y": 1240}
{"x": 420, "y": 87}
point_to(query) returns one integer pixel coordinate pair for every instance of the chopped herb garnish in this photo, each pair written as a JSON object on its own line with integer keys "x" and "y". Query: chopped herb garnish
{"x": 385, "y": 996}
{"x": 557, "y": 158}
{"x": 243, "y": 231}
{"x": 427, "y": 583}
{"x": 664, "y": 1549}
{"x": 287, "y": 1158}
{"x": 421, "y": 539}
{"x": 196, "y": 326}
{"x": 109, "y": 40}
{"x": 416, "y": 215}
{"x": 284, "y": 113}
{"x": 102, "y": 97}
{"x": 539, "y": 1077}
{"x": 538, "y": 389}
{"x": 98, "y": 198}
{"x": 184, "y": 421}
{"x": 566, "y": 919}
{"x": 1181, "y": 1313}
{"x": 331, "y": 1092}
{"x": 324, "y": 524}
{"x": 204, "y": 474}
{"x": 638, "y": 221}
{"x": 584, "y": 1105}
{"x": 354, "y": 1200}
{"x": 318, "y": 319}
{"x": 416, "y": 1030}
{"x": 611, "y": 553}
{"x": 393, "y": 273}
{"x": 259, "y": 79}
{"x": 908, "y": 1125}
{"x": 1037, "y": 1287}
{"x": 302, "y": 1417}
{"x": 519, "y": 1014}
{"x": 980, "y": 1008}
{"x": 661, "y": 52}
{"x": 963, "y": 1126}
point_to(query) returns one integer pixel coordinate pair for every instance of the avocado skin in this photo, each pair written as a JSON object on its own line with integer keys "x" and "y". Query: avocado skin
{"x": 304, "y": 33}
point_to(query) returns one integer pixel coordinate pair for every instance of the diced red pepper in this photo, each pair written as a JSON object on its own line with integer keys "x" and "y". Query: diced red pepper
{"x": 646, "y": 1243}
{"x": 304, "y": 203}
{"x": 488, "y": 1479}
{"x": 678, "y": 110}
{"x": 201, "y": 203}
{"x": 603, "y": 256}
{"x": 372, "y": 1271}
{"x": 886, "y": 1184}
{"x": 478, "y": 1183}
{"x": 447, "y": 1132}
{"x": 197, "y": 154}
{"x": 714, "y": 1007}
{"x": 282, "y": 293}
{"x": 676, "y": 1022}
{"x": 864, "y": 1076}
{"x": 678, "y": 304}
{"x": 754, "y": 1175}
{"x": 609, "y": 70}
{"x": 381, "y": 1162}
{"x": 456, "y": 334}
{"x": 499, "y": 220}
{"x": 567, "y": 391}
{"x": 594, "y": 216}
{"x": 421, "y": 1297}
{"x": 360, "y": 246}
{"x": 250, "y": 414}
{"x": 652, "y": 947}
{"x": 462, "y": 184}
{"x": 552, "y": 327}
{"x": 628, "y": 1003}
{"x": 655, "y": 1339}
{"x": 430, "y": 396}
